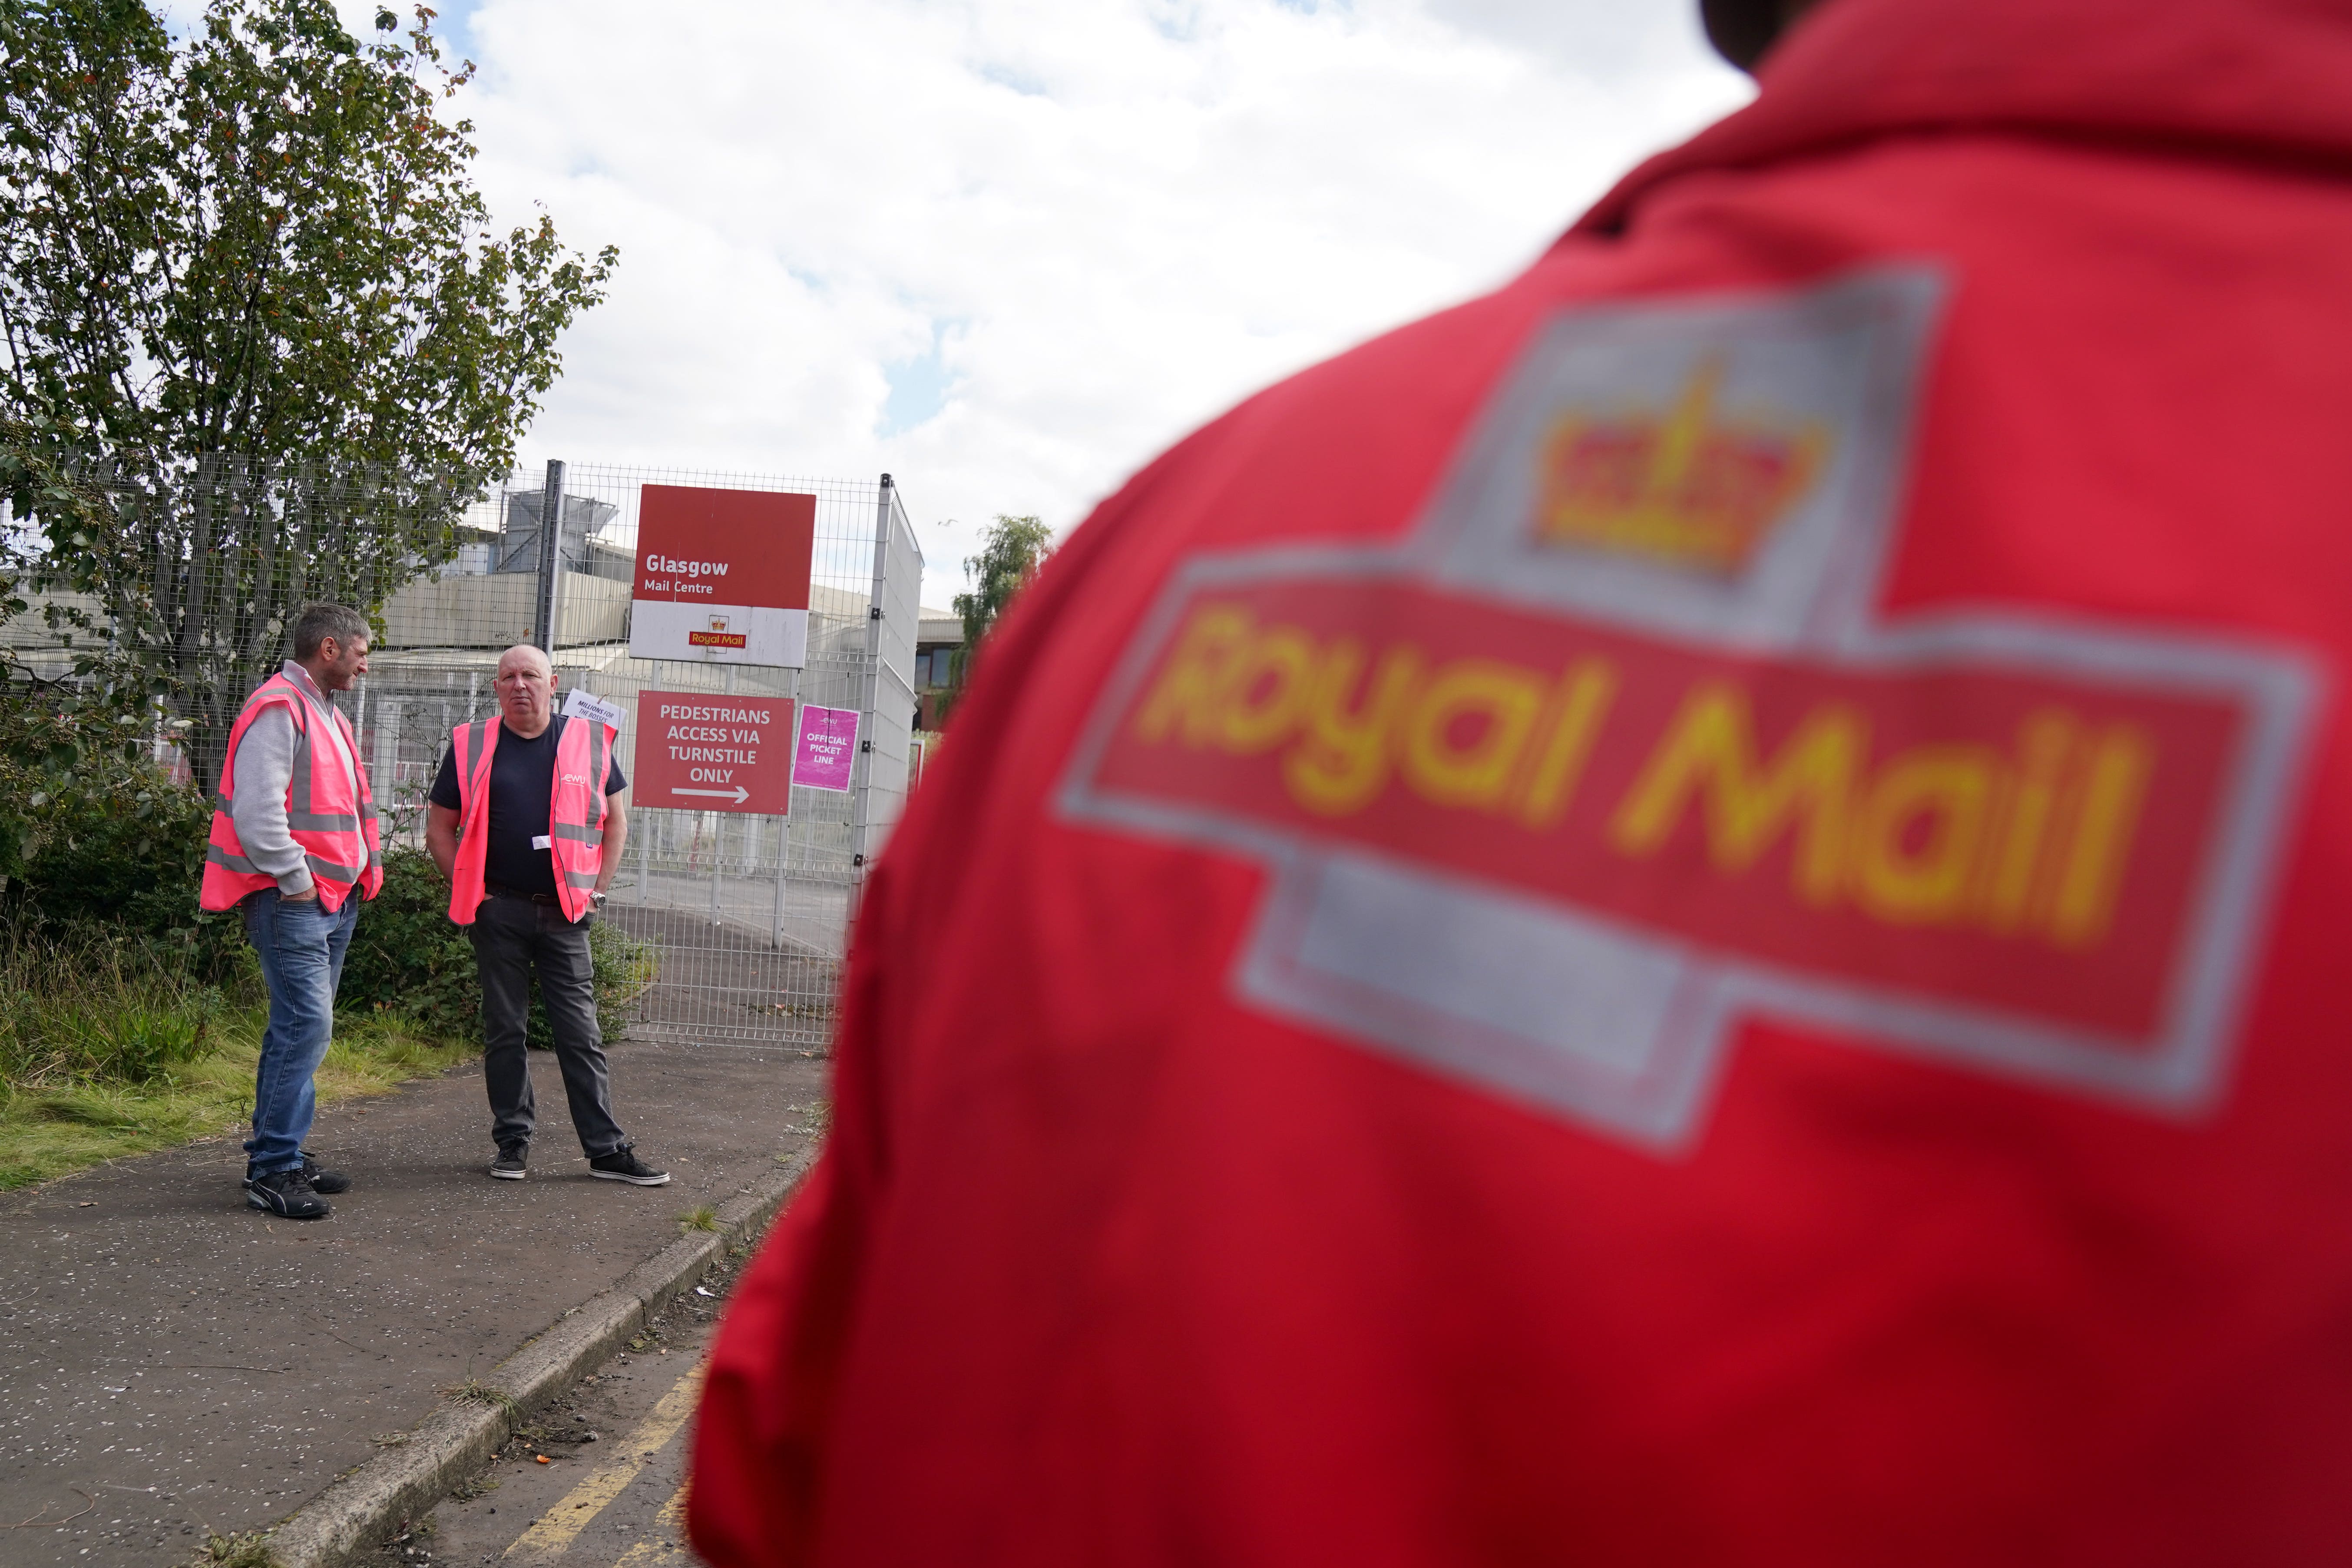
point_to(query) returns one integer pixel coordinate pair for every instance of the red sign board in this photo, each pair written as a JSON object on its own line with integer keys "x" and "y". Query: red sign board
{"x": 701, "y": 751}
{"x": 722, "y": 576}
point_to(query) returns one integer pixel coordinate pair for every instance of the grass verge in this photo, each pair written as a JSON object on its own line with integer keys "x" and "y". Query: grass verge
{"x": 101, "y": 1058}
{"x": 51, "y": 1132}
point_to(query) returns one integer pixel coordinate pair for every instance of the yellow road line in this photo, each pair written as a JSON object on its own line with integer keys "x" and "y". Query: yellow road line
{"x": 553, "y": 1533}
{"x": 652, "y": 1553}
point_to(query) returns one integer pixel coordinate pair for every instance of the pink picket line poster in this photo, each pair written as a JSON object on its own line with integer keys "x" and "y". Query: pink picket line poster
{"x": 826, "y": 748}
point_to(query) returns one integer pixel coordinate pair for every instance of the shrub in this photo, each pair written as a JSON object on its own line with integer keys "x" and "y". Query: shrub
{"x": 408, "y": 957}
{"x": 92, "y": 833}
{"x": 625, "y": 968}
{"x": 125, "y": 865}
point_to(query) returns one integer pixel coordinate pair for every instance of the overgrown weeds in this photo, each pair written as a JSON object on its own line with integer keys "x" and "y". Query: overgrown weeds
{"x": 101, "y": 1016}
{"x": 703, "y": 1217}
{"x": 250, "y": 1550}
{"x": 475, "y": 1391}
{"x": 105, "y": 1053}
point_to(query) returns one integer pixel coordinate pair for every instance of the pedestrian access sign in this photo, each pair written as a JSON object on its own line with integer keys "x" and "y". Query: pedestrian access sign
{"x": 722, "y": 576}
{"x": 701, "y": 751}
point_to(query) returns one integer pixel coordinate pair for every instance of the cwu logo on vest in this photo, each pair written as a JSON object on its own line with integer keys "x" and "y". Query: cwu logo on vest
{"x": 1614, "y": 751}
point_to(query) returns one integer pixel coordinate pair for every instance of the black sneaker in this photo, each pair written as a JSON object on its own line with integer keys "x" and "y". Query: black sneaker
{"x": 512, "y": 1164}
{"x": 622, "y": 1166}
{"x": 285, "y": 1194}
{"x": 323, "y": 1181}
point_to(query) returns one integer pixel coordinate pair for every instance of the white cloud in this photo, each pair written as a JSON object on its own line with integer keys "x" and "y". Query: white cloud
{"x": 1072, "y": 229}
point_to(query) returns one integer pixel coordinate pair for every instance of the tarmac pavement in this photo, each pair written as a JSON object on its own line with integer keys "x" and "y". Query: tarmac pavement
{"x": 598, "y": 1480}
{"x": 177, "y": 1364}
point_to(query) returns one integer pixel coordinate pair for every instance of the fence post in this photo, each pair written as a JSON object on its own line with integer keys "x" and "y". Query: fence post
{"x": 861, "y": 815}
{"x": 549, "y": 603}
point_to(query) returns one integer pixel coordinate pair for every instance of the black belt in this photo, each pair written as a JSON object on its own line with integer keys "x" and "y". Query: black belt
{"x": 500, "y": 890}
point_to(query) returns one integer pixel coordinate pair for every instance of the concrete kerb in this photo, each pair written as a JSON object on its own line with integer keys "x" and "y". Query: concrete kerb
{"x": 343, "y": 1521}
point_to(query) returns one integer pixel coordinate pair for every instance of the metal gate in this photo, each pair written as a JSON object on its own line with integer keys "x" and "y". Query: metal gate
{"x": 747, "y": 917}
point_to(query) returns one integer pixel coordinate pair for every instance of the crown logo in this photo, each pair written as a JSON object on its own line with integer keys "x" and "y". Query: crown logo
{"x": 1690, "y": 485}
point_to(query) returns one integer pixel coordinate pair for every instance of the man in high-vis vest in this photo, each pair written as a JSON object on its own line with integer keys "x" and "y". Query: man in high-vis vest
{"x": 1694, "y": 913}
{"x": 526, "y": 821}
{"x": 294, "y": 847}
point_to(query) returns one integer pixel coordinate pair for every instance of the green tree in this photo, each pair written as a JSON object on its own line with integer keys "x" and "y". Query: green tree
{"x": 245, "y": 281}
{"x": 82, "y": 807}
{"x": 1010, "y": 554}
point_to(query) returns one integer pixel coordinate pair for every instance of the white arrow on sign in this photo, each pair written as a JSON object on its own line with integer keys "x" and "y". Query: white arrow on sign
{"x": 738, "y": 794}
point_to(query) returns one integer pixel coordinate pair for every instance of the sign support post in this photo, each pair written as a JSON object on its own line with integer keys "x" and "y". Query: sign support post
{"x": 784, "y": 842}
{"x": 550, "y": 560}
{"x": 870, "y": 691}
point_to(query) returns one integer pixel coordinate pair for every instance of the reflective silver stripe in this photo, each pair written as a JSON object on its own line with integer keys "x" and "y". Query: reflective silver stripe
{"x": 367, "y": 810}
{"x": 297, "y": 788}
{"x": 375, "y": 859}
{"x": 217, "y": 855}
{"x": 474, "y": 738}
{"x": 577, "y": 833}
{"x": 225, "y": 805}
{"x": 321, "y": 822}
{"x": 332, "y": 872}
{"x": 580, "y": 878}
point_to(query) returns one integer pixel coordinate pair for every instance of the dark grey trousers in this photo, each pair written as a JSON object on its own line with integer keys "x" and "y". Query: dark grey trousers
{"x": 512, "y": 938}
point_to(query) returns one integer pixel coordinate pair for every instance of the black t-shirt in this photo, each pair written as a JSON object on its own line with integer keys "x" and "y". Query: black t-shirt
{"x": 523, "y": 783}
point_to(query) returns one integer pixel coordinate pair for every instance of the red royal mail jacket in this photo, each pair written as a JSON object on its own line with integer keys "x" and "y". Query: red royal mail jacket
{"x": 1694, "y": 914}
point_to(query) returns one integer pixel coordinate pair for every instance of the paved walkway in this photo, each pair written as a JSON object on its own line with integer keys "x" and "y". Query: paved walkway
{"x": 611, "y": 1492}
{"x": 176, "y": 1364}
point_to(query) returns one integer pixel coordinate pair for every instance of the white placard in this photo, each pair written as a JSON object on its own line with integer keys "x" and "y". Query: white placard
{"x": 579, "y": 701}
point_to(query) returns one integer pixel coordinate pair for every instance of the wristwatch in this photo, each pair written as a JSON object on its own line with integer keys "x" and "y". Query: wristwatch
{"x": 599, "y": 895}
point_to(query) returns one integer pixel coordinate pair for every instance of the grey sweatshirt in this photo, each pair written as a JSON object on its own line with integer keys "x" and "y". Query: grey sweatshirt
{"x": 264, "y": 768}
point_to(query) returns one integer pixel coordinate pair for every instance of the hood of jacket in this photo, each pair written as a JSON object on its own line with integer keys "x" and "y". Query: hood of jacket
{"x": 2270, "y": 79}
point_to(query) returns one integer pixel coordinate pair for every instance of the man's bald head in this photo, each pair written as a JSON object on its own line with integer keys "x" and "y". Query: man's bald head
{"x": 524, "y": 654}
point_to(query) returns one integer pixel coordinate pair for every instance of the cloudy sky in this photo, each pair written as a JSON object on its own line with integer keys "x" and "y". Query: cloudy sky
{"x": 1009, "y": 249}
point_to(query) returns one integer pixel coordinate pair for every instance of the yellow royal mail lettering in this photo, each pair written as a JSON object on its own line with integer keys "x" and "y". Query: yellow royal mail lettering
{"x": 2032, "y": 840}
{"x": 1482, "y": 734}
{"x": 1615, "y": 749}
{"x": 1711, "y": 746}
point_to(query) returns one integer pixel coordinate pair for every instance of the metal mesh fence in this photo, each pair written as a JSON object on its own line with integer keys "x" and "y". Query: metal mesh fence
{"x": 750, "y": 914}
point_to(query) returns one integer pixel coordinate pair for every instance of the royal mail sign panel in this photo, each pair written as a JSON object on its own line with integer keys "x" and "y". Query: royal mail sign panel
{"x": 703, "y": 751}
{"x": 1615, "y": 751}
{"x": 722, "y": 576}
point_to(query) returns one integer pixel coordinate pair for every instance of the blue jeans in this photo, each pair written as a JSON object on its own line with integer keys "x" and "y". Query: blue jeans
{"x": 301, "y": 947}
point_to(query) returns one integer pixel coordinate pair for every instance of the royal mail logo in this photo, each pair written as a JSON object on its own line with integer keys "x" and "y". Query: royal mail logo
{"x": 1906, "y": 825}
{"x": 1689, "y": 485}
{"x": 1560, "y": 822}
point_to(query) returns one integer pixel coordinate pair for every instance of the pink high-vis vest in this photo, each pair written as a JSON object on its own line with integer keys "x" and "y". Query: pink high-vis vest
{"x": 332, "y": 819}
{"x": 575, "y": 827}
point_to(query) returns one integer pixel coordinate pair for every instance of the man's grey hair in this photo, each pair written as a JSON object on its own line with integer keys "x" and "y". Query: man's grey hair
{"x": 316, "y": 623}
